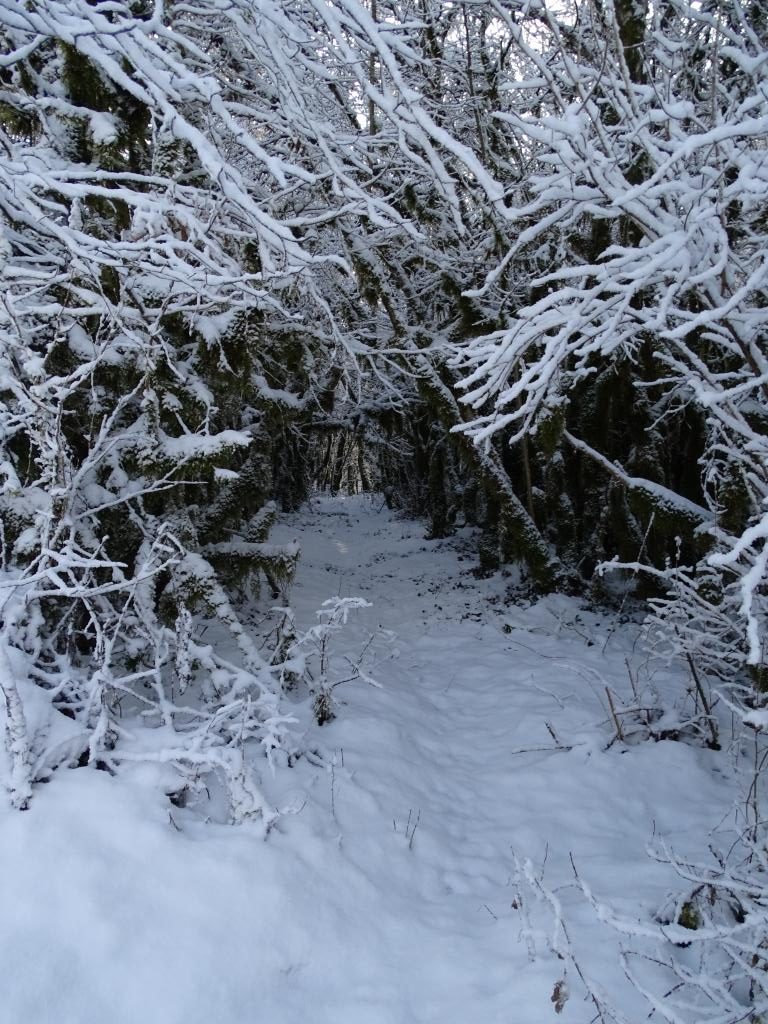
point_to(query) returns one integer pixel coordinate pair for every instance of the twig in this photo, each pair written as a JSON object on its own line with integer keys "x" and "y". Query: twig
{"x": 615, "y": 717}
{"x": 560, "y": 749}
{"x": 715, "y": 744}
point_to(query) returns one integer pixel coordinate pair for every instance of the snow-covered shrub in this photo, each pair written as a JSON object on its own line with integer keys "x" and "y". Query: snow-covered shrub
{"x": 150, "y": 360}
{"x": 638, "y": 711}
{"x": 701, "y": 956}
{"x": 312, "y": 656}
{"x": 641, "y": 239}
{"x": 703, "y": 959}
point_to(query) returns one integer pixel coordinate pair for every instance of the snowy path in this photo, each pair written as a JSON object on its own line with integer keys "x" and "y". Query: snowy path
{"x": 388, "y": 899}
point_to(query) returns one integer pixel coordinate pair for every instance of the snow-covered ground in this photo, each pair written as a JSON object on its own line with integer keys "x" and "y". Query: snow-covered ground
{"x": 387, "y": 893}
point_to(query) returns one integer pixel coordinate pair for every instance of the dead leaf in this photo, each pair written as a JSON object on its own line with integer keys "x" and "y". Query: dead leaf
{"x": 559, "y": 995}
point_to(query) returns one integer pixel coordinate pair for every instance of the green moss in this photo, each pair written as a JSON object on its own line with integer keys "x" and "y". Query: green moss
{"x": 549, "y": 431}
{"x": 734, "y": 498}
{"x": 689, "y": 916}
{"x": 759, "y": 676}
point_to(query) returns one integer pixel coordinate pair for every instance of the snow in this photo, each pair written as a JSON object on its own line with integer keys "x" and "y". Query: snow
{"x": 757, "y": 720}
{"x": 104, "y": 128}
{"x": 189, "y": 446}
{"x": 385, "y": 893}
